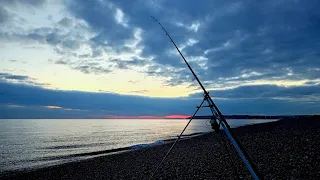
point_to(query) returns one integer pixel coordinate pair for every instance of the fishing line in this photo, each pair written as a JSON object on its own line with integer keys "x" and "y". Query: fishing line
{"x": 228, "y": 150}
{"x": 176, "y": 141}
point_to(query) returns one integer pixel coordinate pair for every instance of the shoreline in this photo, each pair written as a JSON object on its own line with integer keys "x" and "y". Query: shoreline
{"x": 149, "y": 157}
{"x": 48, "y": 161}
{"x": 95, "y": 154}
{"x": 43, "y": 162}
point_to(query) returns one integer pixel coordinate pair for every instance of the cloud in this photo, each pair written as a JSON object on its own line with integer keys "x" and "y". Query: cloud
{"x": 51, "y": 103}
{"x": 10, "y": 5}
{"x": 60, "y": 61}
{"x": 126, "y": 64}
{"x": 14, "y": 106}
{"x": 249, "y": 41}
{"x": 193, "y": 27}
{"x": 30, "y": 112}
{"x": 4, "y": 15}
{"x": 22, "y": 2}
{"x": 87, "y": 66}
{"x": 230, "y": 45}
{"x": 36, "y": 96}
{"x": 87, "y": 69}
{"x": 308, "y": 93}
{"x": 13, "y": 78}
{"x": 52, "y": 107}
{"x": 115, "y": 25}
{"x": 139, "y": 91}
{"x": 7, "y": 76}
{"x": 133, "y": 82}
{"x": 66, "y": 22}
{"x": 72, "y": 38}
{"x": 120, "y": 19}
{"x": 234, "y": 39}
{"x": 7, "y": 7}
{"x": 62, "y": 41}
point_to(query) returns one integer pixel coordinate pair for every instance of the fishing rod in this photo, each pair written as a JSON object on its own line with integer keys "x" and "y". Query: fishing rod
{"x": 218, "y": 115}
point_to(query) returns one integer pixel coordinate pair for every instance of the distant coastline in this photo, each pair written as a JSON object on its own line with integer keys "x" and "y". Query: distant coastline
{"x": 186, "y": 117}
{"x": 256, "y": 116}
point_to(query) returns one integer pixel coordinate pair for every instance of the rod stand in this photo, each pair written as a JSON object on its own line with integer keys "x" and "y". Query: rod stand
{"x": 236, "y": 144}
{"x": 216, "y": 112}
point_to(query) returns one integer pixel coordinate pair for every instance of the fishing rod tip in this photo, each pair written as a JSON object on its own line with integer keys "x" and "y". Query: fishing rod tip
{"x": 154, "y": 18}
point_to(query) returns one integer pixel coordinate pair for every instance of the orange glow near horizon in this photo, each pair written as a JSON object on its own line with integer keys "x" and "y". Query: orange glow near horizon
{"x": 149, "y": 117}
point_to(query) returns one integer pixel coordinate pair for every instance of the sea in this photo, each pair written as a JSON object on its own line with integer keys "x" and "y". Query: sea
{"x": 27, "y": 144}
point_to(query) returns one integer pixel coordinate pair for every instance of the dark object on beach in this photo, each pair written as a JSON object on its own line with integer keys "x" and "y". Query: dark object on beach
{"x": 214, "y": 125}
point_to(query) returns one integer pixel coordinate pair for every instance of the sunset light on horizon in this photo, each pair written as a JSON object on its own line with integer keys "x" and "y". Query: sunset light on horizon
{"x": 149, "y": 117}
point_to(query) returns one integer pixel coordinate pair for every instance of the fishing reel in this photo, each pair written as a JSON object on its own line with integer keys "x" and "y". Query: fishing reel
{"x": 214, "y": 124}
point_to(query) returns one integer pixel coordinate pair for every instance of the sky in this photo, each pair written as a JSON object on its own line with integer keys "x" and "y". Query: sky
{"x": 109, "y": 59}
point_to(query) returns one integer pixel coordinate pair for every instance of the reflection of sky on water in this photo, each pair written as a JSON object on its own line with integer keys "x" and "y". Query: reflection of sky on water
{"x": 27, "y": 143}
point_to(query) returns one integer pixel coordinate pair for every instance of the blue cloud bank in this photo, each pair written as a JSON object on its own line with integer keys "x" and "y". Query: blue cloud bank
{"x": 30, "y": 101}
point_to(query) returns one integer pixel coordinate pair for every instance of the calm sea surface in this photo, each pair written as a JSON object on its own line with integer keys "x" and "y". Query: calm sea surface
{"x": 28, "y": 143}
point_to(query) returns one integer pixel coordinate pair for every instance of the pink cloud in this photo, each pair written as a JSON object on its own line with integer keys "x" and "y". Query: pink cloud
{"x": 176, "y": 116}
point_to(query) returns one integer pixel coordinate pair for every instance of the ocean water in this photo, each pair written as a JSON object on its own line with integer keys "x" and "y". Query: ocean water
{"x": 34, "y": 143}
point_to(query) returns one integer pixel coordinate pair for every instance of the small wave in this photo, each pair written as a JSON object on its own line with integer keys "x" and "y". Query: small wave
{"x": 139, "y": 146}
{"x": 165, "y": 141}
{"x": 50, "y": 158}
{"x": 74, "y": 146}
{"x": 194, "y": 134}
{"x": 187, "y": 135}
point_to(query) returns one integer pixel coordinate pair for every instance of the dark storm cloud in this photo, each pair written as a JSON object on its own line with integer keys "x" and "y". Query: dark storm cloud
{"x": 309, "y": 93}
{"x": 33, "y": 102}
{"x": 136, "y": 105}
{"x": 9, "y": 78}
{"x": 112, "y": 33}
{"x": 101, "y": 18}
{"x": 276, "y": 39}
{"x": 34, "y": 112}
{"x": 242, "y": 41}
{"x": 280, "y": 36}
